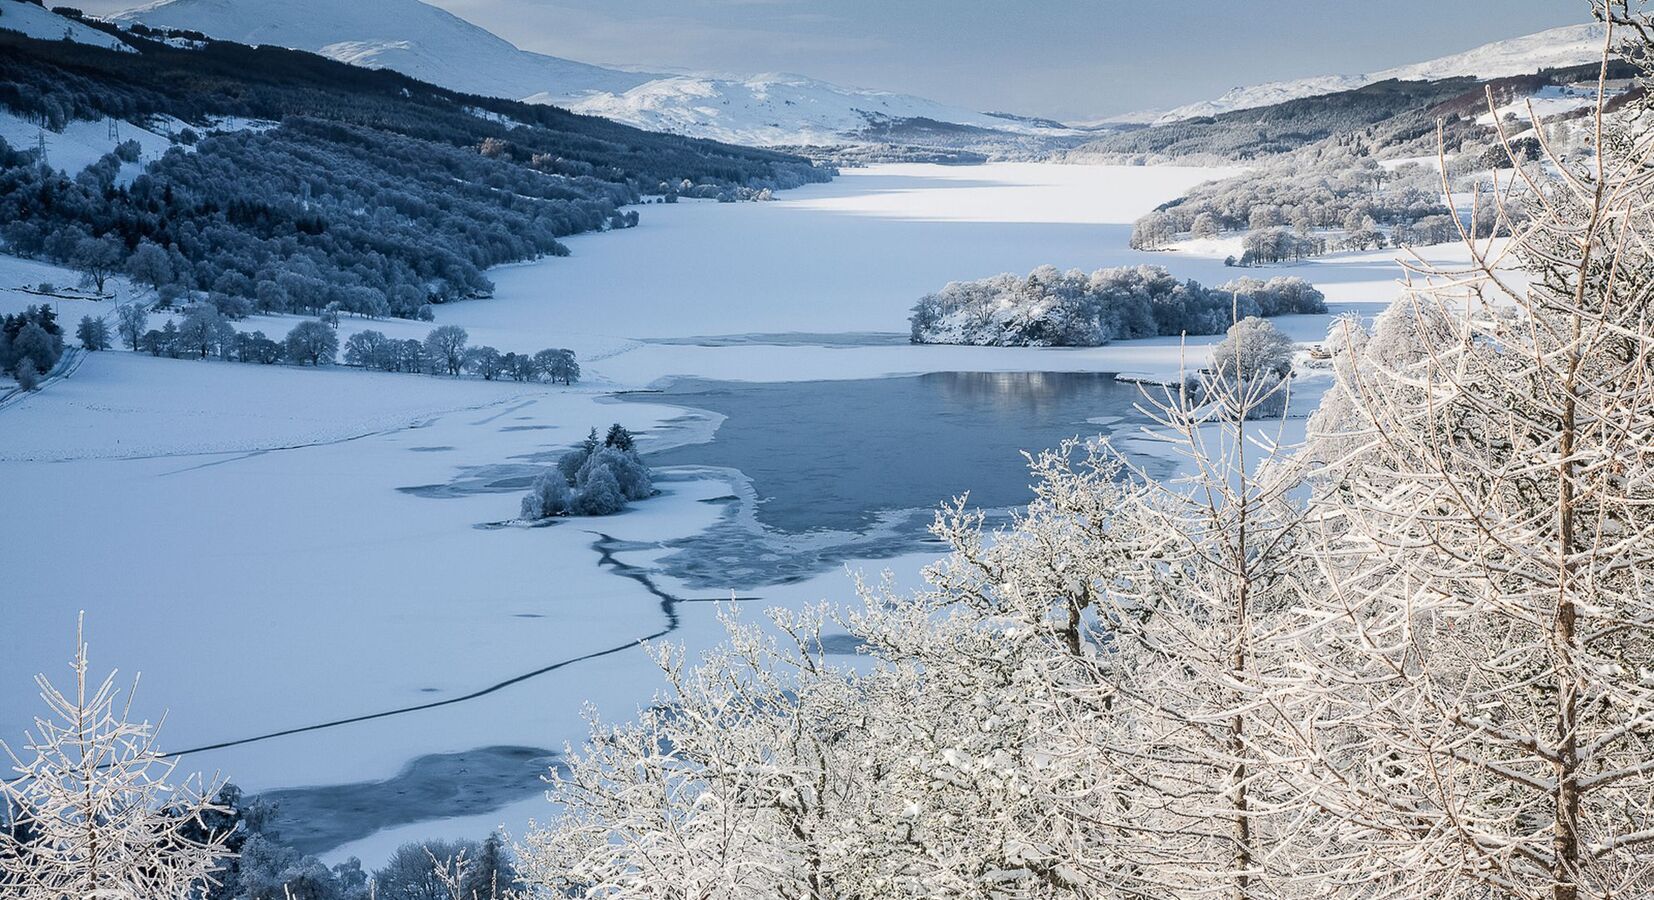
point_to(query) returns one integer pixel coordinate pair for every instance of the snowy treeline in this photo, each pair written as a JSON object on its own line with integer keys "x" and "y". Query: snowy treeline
{"x": 202, "y": 332}
{"x": 1334, "y": 189}
{"x": 301, "y": 217}
{"x": 1051, "y": 307}
{"x": 445, "y": 350}
{"x": 1327, "y": 197}
{"x": 597, "y": 478}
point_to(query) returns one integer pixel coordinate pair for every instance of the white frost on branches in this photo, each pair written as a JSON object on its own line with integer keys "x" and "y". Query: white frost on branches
{"x": 94, "y": 811}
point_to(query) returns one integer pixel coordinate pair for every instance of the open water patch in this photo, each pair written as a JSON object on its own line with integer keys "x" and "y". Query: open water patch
{"x": 471, "y": 782}
{"x": 827, "y": 471}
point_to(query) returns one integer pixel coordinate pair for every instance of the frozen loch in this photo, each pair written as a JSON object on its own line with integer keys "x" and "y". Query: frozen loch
{"x": 212, "y": 519}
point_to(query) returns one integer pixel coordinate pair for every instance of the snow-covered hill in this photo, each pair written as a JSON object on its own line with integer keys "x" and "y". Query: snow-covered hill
{"x": 38, "y": 22}
{"x": 775, "y": 109}
{"x": 411, "y": 37}
{"x": 433, "y": 45}
{"x": 1570, "y": 45}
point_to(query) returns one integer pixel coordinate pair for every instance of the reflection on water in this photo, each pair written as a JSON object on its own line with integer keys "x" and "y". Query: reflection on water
{"x": 1034, "y": 392}
{"x": 835, "y": 455}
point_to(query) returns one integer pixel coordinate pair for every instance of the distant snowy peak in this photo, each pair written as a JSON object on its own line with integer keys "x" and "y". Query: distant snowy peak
{"x": 38, "y": 22}
{"x": 430, "y": 44}
{"x": 1570, "y": 45}
{"x": 775, "y": 110}
{"x": 414, "y": 38}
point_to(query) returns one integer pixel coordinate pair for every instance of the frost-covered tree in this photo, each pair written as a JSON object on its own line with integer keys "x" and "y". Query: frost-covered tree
{"x": 103, "y": 817}
{"x": 520, "y": 366}
{"x": 1098, "y": 717}
{"x": 485, "y": 361}
{"x": 1249, "y": 368}
{"x": 620, "y": 439}
{"x": 491, "y": 874}
{"x": 1252, "y": 348}
{"x": 429, "y": 870}
{"x": 311, "y": 342}
{"x": 446, "y": 345}
{"x": 549, "y": 495}
{"x": 150, "y": 264}
{"x": 1265, "y": 216}
{"x": 411, "y": 357}
{"x": 97, "y": 259}
{"x": 740, "y": 783}
{"x": 631, "y": 476}
{"x": 35, "y": 344}
{"x": 558, "y": 365}
{"x": 203, "y": 329}
{"x": 597, "y": 492}
{"x": 132, "y": 320}
{"x": 370, "y": 349}
{"x": 92, "y": 333}
{"x": 28, "y": 377}
{"x": 1481, "y": 607}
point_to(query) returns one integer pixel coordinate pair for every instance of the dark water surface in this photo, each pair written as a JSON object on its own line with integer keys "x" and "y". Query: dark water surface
{"x": 834, "y": 454}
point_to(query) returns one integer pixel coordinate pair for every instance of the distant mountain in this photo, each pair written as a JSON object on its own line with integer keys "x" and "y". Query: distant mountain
{"x": 38, "y": 22}
{"x": 430, "y": 44}
{"x": 772, "y": 110}
{"x": 414, "y": 38}
{"x": 1571, "y": 45}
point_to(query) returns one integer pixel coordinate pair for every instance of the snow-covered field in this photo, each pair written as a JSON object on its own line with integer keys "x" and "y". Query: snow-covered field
{"x": 81, "y": 142}
{"x": 241, "y": 535}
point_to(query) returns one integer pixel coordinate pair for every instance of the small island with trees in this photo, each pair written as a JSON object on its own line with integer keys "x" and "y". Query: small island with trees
{"x": 597, "y": 478}
{"x": 1053, "y": 308}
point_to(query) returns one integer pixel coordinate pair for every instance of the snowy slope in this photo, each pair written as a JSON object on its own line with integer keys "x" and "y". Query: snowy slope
{"x": 37, "y": 22}
{"x": 81, "y": 142}
{"x": 430, "y": 44}
{"x": 411, "y": 37}
{"x": 773, "y": 109}
{"x": 1570, "y": 45}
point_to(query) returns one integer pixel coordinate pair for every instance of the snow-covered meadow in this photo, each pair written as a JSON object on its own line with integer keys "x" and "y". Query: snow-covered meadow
{"x": 243, "y": 534}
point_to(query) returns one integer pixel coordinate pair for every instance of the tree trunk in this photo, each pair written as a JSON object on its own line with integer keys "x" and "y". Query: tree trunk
{"x": 1565, "y": 838}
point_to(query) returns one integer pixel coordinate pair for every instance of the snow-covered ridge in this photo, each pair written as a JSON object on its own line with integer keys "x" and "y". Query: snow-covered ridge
{"x": 38, "y": 22}
{"x": 773, "y": 109}
{"x": 430, "y": 44}
{"x": 411, "y": 37}
{"x": 1570, "y": 45}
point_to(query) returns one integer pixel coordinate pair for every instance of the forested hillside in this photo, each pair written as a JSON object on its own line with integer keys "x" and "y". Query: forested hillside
{"x": 1393, "y": 118}
{"x": 366, "y": 190}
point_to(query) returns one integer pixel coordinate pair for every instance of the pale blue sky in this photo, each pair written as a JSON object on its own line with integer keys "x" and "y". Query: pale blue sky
{"x": 1060, "y": 58}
